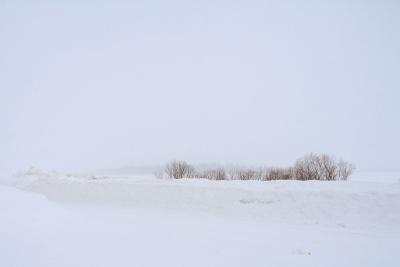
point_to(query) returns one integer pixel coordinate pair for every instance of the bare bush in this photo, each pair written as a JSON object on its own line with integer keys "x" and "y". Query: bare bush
{"x": 179, "y": 169}
{"x": 246, "y": 174}
{"x": 327, "y": 167}
{"x": 322, "y": 167}
{"x": 279, "y": 174}
{"x": 307, "y": 168}
{"x": 265, "y": 174}
{"x": 196, "y": 174}
{"x": 215, "y": 174}
{"x": 233, "y": 174}
{"x": 311, "y": 167}
{"x": 345, "y": 169}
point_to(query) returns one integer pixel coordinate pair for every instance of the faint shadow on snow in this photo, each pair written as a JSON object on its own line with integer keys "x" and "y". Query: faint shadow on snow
{"x": 303, "y": 252}
{"x": 257, "y": 201}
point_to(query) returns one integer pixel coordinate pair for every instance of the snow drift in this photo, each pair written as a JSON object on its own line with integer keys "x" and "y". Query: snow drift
{"x": 127, "y": 221}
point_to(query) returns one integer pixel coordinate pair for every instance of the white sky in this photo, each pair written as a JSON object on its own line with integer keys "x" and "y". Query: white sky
{"x": 95, "y": 84}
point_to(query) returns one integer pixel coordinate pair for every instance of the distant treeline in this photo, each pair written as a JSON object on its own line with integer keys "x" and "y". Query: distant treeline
{"x": 311, "y": 167}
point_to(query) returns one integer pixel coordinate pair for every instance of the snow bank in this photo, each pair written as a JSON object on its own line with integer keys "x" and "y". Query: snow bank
{"x": 37, "y": 232}
{"x": 354, "y": 204}
{"x": 100, "y": 221}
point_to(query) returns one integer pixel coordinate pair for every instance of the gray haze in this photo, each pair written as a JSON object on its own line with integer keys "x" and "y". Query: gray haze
{"x": 93, "y": 84}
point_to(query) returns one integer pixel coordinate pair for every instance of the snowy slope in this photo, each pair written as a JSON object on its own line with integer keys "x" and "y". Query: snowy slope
{"x": 150, "y": 222}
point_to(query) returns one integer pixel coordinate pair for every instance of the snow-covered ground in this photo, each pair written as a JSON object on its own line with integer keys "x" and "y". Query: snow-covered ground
{"x": 59, "y": 220}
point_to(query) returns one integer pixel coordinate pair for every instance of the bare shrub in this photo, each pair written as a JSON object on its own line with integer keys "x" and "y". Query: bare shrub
{"x": 310, "y": 167}
{"x": 316, "y": 167}
{"x": 233, "y": 174}
{"x": 306, "y": 168}
{"x": 246, "y": 174}
{"x": 196, "y": 174}
{"x": 179, "y": 169}
{"x": 264, "y": 174}
{"x": 260, "y": 174}
{"x": 345, "y": 169}
{"x": 327, "y": 167}
{"x": 322, "y": 167}
{"x": 215, "y": 174}
{"x": 279, "y": 174}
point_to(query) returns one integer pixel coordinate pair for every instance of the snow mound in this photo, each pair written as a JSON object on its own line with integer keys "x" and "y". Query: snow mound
{"x": 352, "y": 204}
{"x": 128, "y": 221}
{"x": 34, "y": 175}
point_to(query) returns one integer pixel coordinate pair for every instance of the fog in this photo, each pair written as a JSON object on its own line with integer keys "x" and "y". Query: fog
{"x": 88, "y": 85}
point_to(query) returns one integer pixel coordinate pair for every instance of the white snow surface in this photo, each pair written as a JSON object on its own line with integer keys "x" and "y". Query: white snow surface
{"x": 49, "y": 219}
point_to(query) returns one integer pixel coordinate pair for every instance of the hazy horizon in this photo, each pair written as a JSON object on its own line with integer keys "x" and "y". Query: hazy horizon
{"x": 99, "y": 85}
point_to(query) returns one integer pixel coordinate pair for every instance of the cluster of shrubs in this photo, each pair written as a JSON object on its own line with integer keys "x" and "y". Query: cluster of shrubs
{"x": 311, "y": 167}
{"x": 322, "y": 167}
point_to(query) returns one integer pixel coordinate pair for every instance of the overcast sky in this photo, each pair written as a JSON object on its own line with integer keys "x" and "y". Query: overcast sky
{"x": 100, "y": 84}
